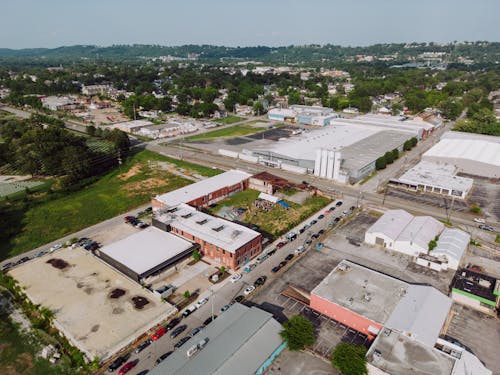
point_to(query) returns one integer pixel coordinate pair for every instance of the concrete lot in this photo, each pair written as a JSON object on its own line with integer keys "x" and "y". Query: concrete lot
{"x": 96, "y": 307}
{"x": 479, "y": 332}
{"x": 487, "y": 194}
{"x": 300, "y": 363}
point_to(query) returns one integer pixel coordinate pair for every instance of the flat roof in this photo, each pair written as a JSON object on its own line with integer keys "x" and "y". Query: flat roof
{"x": 436, "y": 174}
{"x": 417, "y": 310}
{"x": 131, "y": 124}
{"x": 199, "y": 189}
{"x": 395, "y": 353}
{"x": 476, "y": 147}
{"x": 452, "y": 244}
{"x": 394, "y": 122}
{"x": 239, "y": 341}
{"x": 476, "y": 283}
{"x": 222, "y": 233}
{"x": 145, "y": 250}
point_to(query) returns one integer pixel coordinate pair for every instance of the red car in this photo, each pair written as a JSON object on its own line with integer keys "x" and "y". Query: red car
{"x": 128, "y": 218}
{"x": 158, "y": 334}
{"x": 280, "y": 245}
{"x": 127, "y": 367}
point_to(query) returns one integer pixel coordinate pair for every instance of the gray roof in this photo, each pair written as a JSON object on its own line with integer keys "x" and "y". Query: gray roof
{"x": 421, "y": 230}
{"x": 452, "y": 244}
{"x": 391, "y": 223}
{"x": 240, "y": 341}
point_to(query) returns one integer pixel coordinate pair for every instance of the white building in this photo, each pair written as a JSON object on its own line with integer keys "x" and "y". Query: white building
{"x": 400, "y": 231}
{"x": 474, "y": 154}
{"x": 451, "y": 246}
{"x": 91, "y": 90}
{"x": 131, "y": 126}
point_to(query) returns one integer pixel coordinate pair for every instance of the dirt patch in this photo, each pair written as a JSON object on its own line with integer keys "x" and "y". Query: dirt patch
{"x": 117, "y": 310}
{"x": 117, "y": 293}
{"x": 95, "y": 328}
{"x": 140, "y": 186}
{"x": 139, "y": 302}
{"x": 58, "y": 263}
{"x": 136, "y": 169}
{"x": 88, "y": 290}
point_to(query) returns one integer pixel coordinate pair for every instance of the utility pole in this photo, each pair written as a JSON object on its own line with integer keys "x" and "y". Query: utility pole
{"x": 212, "y": 299}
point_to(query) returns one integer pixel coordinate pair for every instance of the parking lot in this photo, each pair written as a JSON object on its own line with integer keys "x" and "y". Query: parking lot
{"x": 479, "y": 332}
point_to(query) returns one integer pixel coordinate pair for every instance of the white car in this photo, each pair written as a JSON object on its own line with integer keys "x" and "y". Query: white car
{"x": 201, "y": 302}
{"x": 235, "y": 277}
{"x": 479, "y": 220}
{"x": 55, "y": 247}
{"x": 249, "y": 290}
{"x": 300, "y": 249}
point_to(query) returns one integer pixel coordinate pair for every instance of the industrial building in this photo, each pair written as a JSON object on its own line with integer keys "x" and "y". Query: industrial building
{"x": 92, "y": 90}
{"x": 302, "y": 114}
{"x": 146, "y": 253}
{"x": 474, "y": 154}
{"x": 131, "y": 126}
{"x": 205, "y": 192}
{"x": 451, "y": 247}
{"x": 60, "y": 103}
{"x": 430, "y": 177}
{"x": 472, "y": 288}
{"x": 400, "y": 231}
{"x": 227, "y": 243}
{"x": 367, "y": 301}
{"x": 268, "y": 183}
{"x": 241, "y": 341}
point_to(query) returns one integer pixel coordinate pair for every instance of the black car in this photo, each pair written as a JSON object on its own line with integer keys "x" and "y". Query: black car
{"x": 24, "y": 259}
{"x": 7, "y": 266}
{"x": 308, "y": 242}
{"x": 338, "y": 204}
{"x": 181, "y": 342}
{"x": 143, "y": 372}
{"x": 315, "y": 235}
{"x": 148, "y": 209}
{"x": 321, "y": 231}
{"x": 301, "y": 230}
{"x": 177, "y": 331}
{"x": 91, "y": 247}
{"x": 276, "y": 269}
{"x": 271, "y": 252}
{"x": 321, "y": 216}
{"x": 143, "y": 346}
{"x": 314, "y": 222}
{"x": 210, "y": 319}
{"x": 82, "y": 241}
{"x": 260, "y": 281}
{"x": 239, "y": 298}
{"x": 289, "y": 257}
{"x": 283, "y": 264}
{"x": 118, "y": 362}
{"x": 352, "y": 208}
{"x": 331, "y": 209}
{"x": 172, "y": 323}
{"x": 336, "y": 220}
{"x": 163, "y": 357}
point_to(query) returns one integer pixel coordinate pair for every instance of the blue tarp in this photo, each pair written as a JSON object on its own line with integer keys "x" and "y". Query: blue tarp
{"x": 284, "y": 204}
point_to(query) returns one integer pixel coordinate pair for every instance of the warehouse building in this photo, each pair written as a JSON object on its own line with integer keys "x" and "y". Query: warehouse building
{"x": 205, "y": 192}
{"x": 474, "y": 154}
{"x": 227, "y": 243}
{"x": 131, "y": 126}
{"x": 367, "y": 301}
{"x": 241, "y": 341}
{"x": 146, "y": 253}
{"x": 268, "y": 183}
{"x": 472, "y": 288}
{"x": 451, "y": 247}
{"x": 430, "y": 177}
{"x": 400, "y": 231}
{"x": 303, "y": 114}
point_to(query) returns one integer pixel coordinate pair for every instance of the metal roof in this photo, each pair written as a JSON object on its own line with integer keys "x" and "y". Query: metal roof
{"x": 452, "y": 244}
{"x": 199, "y": 189}
{"x": 239, "y": 341}
{"x": 392, "y": 223}
{"x": 145, "y": 250}
{"x": 421, "y": 230}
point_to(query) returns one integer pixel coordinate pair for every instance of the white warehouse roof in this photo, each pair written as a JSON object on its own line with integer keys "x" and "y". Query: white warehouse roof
{"x": 219, "y": 232}
{"x": 147, "y": 249}
{"x": 421, "y": 230}
{"x": 452, "y": 245}
{"x": 391, "y": 223}
{"x": 191, "y": 192}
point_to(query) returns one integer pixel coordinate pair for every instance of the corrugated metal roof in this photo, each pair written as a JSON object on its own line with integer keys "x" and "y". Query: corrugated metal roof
{"x": 452, "y": 244}
{"x": 421, "y": 230}
{"x": 391, "y": 223}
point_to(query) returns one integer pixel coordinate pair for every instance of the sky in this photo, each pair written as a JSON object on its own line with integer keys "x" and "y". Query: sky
{"x": 54, "y": 23}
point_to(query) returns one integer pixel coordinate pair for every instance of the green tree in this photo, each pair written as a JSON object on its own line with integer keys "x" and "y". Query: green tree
{"x": 395, "y": 154}
{"x": 388, "y": 157}
{"x": 350, "y": 359}
{"x": 91, "y": 130}
{"x": 432, "y": 245}
{"x": 222, "y": 270}
{"x": 196, "y": 255}
{"x": 299, "y": 332}
{"x": 380, "y": 163}
{"x": 187, "y": 294}
{"x": 258, "y": 108}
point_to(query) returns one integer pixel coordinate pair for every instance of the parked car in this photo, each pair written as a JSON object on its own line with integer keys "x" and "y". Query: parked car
{"x": 249, "y": 290}
{"x": 321, "y": 217}
{"x": 201, "y": 302}
{"x": 336, "y": 220}
{"x": 159, "y": 333}
{"x": 40, "y": 253}
{"x": 280, "y": 245}
{"x": 338, "y": 204}
{"x": 189, "y": 311}
{"x": 315, "y": 235}
{"x": 300, "y": 249}
{"x": 239, "y": 298}
{"x": 249, "y": 268}
{"x": 210, "y": 319}
{"x": 486, "y": 227}
{"x": 142, "y": 225}
{"x": 352, "y": 208}
{"x": 55, "y": 247}
{"x": 24, "y": 260}
{"x": 319, "y": 246}
{"x": 308, "y": 242}
{"x": 479, "y": 220}
{"x": 143, "y": 345}
{"x": 128, "y": 366}
{"x": 291, "y": 236}
{"x": 331, "y": 209}
{"x": 235, "y": 277}
{"x": 260, "y": 281}
{"x": 118, "y": 362}
{"x": 177, "y": 331}
{"x": 181, "y": 342}
{"x": 271, "y": 252}
{"x": 172, "y": 323}
{"x": 282, "y": 264}
{"x": 163, "y": 357}
{"x": 307, "y": 226}
{"x": 7, "y": 266}
{"x": 128, "y": 218}
{"x": 224, "y": 308}
{"x": 313, "y": 222}
{"x": 143, "y": 372}
{"x": 275, "y": 269}
{"x": 321, "y": 231}
{"x": 289, "y": 257}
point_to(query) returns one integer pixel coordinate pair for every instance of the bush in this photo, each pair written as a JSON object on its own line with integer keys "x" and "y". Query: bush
{"x": 349, "y": 359}
{"x": 432, "y": 245}
{"x": 187, "y": 294}
{"x": 196, "y": 255}
{"x": 388, "y": 157}
{"x": 414, "y": 141}
{"x": 476, "y": 209}
{"x": 380, "y": 163}
{"x": 299, "y": 332}
{"x": 395, "y": 154}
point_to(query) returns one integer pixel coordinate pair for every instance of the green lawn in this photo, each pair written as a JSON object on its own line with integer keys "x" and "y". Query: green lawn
{"x": 233, "y": 131}
{"x": 276, "y": 221}
{"x": 27, "y": 225}
{"x": 229, "y": 120}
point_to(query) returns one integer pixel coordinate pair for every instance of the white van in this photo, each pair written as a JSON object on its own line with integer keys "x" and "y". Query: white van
{"x": 192, "y": 350}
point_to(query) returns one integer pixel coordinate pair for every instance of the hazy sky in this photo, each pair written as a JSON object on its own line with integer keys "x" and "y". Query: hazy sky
{"x": 52, "y": 23}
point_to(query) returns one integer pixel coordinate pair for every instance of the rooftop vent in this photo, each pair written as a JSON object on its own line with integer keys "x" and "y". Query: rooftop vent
{"x": 170, "y": 210}
{"x": 187, "y": 215}
{"x": 235, "y": 233}
{"x": 367, "y": 297}
{"x": 219, "y": 228}
{"x": 201, "y": 222}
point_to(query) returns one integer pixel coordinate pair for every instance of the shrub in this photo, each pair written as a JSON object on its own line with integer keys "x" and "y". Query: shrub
{"x": 476, "y": 209}
{"x": 395, "y": 154}
{"x": 380, "y": 163}
{"x": 388, "y": 157}
{"x": 299, "y": 332}
{"x": 187, "y": 294}
{"x": 349, "y": 359}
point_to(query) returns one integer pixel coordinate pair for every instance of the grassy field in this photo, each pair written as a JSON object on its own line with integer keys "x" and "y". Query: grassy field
{"x": 192, "y": 168}
{"x": 276, "y": 221}
{"x": 229, "y": 120}
{"x": 233, "y": 131}
{"x": 29, "y": 224}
